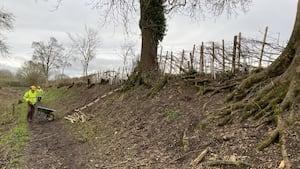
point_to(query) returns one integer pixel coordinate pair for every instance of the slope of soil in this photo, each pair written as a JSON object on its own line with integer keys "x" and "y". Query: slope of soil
{"x": 130, "y": 129}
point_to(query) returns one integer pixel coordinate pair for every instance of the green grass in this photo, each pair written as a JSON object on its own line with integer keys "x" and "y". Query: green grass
{"x": 14, "y": 133}
{"x": 53, "y": 97}
{"x": 14, "y": 126}
{"x": 130, "y": 153}
{"x": 186, "y": 145}
{"x": 172, "y": 114}
{"x": 52, "y": 94}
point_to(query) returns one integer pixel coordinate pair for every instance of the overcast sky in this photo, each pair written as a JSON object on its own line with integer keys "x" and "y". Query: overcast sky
{"x": 35, "y": 20}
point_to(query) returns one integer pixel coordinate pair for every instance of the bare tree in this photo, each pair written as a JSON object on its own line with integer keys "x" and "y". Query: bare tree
{"x": 6, "y": 23}
{"x": 85, "y": 46}
{"x": 127, "y": 53}
{"x": 48, "y": 54}
{"x": 6, "y": 76}
{"x": 30, "y": 73}
{"x": 67, "y": 59}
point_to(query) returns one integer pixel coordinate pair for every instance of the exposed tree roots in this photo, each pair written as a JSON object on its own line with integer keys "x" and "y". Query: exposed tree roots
{"x": 282, "y": 141}
{"x": 277, "y": 135}
{"x": 273, "y": 136}
{"x": 266, "y": 98}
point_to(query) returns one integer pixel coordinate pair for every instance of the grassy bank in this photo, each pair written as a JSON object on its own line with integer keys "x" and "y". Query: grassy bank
{"x": 13, "y": 130}
{"x": 14, "y": 127}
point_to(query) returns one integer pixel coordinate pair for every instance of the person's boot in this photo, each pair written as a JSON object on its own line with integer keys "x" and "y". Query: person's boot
{"x": 29, "y": 117}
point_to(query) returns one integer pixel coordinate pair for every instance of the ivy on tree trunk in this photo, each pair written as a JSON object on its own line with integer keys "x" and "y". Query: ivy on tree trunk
{"x": 153, "y": 27}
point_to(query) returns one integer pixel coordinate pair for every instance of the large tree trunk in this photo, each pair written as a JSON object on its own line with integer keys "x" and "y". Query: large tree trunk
{"x": 148, "y": 60}
{"x": 272, "y": 95}
{"x": 285, "y": 66}
{"x": 289, "y": 56}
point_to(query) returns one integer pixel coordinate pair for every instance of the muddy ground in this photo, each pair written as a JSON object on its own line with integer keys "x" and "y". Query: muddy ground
{"x": 134, "y": 129}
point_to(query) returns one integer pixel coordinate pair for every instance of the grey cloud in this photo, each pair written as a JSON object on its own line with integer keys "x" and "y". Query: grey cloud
{"x": 7, "y": 67}
{"x": 96, "y": 65}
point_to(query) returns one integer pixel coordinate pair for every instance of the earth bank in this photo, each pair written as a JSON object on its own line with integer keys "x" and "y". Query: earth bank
{"x": 137, "y": 128}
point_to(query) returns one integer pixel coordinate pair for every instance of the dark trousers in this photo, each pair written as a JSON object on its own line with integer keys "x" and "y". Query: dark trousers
{"x": 30, "y": 111}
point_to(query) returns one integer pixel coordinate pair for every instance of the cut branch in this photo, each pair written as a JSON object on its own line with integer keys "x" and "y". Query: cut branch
{"x": 200, "y": 157}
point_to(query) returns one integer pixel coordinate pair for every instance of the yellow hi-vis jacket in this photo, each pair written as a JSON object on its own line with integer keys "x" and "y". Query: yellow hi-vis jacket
{"x": 30, "y": 96}
{"x": 39, "y": 92}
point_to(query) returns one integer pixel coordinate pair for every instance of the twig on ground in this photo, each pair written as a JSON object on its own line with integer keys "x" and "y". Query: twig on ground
{"x": 42, "y": 138}
{"x": 200, "y": 157}
{"x": 238, "y": 164}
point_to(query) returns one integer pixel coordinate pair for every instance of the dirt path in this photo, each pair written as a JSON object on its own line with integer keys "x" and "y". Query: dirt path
{"x": 52, "y": 146}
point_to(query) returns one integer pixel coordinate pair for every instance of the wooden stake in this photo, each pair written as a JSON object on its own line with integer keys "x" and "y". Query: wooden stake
{"x": 160, "y": 58}
{"x": 171, "y": 63}
{"x": 234, "y": 54}
{"x": 263, "y": 46}
{"x": 202, "y": 58}
{"x": 223, "y": 55}
{"x": 164, "y": 68}
{"x": 181, "y": 62}
{"x": 13, "y": 109}
{"x": 239, "y": 54}
{"x": 160, "y": 55}
{"x": 213, "y": 61}
{"x": 192, "y": 58}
